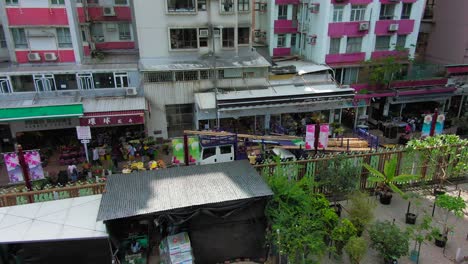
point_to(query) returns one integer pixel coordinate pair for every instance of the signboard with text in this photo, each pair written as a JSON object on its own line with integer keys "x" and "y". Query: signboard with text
{"x": 83, "y": 132}
{"x": 112, "y": 120}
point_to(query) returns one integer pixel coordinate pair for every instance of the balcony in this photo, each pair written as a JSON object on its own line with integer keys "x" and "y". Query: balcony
{"x": 285, "y": 26}
{"x": 281, "y": 52}
{"x": 37, "y": 16}
{"x": 63, "y": 55}
{"x": 345, "y": 58}
{"x": 389, "y": 53}
{"x": 340, "y": 29}
{"x": 353, "y": 2}
{"x": 287, "y": 2}
{"x": 96, "y": 13}
{"x": 405, "y": 26}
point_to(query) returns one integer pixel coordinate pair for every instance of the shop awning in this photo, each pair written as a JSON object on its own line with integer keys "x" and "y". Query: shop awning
{"x": 41, "y": 112}
{"x": 114, "y": 111}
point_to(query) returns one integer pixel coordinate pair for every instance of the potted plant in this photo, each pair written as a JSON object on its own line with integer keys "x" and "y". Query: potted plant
{"x": 386, "y": 181}
{"x": 419, "y": 234}
{"x": 356, "y": 249}
{"x": 391, "y": 242}
{"x": 361, "y": 211}
{"x": 413, "y": 198}
{"x": 456, "y": 205}
{"x": 342, "y": 233}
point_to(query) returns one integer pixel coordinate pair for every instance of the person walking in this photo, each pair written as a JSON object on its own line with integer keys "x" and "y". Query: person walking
{"x": 96, "y": 160}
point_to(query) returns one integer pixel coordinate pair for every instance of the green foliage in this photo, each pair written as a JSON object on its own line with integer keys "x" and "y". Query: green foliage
{"x": 383, "y": 71}
{"x": 300, "y": 220}
{"x": 356, "y": 249}
{"x": 445, "y": 152}
{"x": 361, "y": 211}
{"x": 389, "y": 240}
{"x": 339, "y": 175}
{"x": 422, "y": 231}
{"x": 344, "y": 231}
{"x": 451, "y": 204}
{"x": 387, "y": 179}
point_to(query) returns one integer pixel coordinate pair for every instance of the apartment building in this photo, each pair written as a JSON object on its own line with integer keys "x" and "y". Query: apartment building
{"x": 193, "y": 46}
{"x": 59, "y": 58}
{"x": 342, "y": 33}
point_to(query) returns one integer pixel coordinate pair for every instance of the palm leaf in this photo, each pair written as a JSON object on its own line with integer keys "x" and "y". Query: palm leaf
{"x": 390, "y": 168}
{"x": 395, "y": 188}
{"x": 373, "y": 171}
{"x": 375, "y": 179}
{"x": 405, "y": 178}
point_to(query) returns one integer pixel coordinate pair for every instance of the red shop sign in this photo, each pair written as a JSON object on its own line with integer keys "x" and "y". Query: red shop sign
{"x": 112, "y": 120}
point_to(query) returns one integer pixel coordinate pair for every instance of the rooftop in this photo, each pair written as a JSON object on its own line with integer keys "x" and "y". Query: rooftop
{"x": 228, "y": 59}
{"x": 174, "y": 188}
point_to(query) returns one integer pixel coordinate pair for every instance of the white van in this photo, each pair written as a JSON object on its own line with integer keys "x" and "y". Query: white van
{"x": 216, "y": 154}
{"x": 284, "y": 154}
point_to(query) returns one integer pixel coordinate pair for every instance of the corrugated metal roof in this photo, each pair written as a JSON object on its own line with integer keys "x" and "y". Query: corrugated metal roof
{"x": 157, "y": 191}
{"x": 34, "y": 102}
{"x": 114, "y": 104}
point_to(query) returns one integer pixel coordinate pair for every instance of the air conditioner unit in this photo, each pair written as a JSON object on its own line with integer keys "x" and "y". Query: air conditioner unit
{"x": 393, "y": 27}
{"x": 111, "y": 27}
{"x": 108, "y": 11}
{"x": 257, "y": 33}
{"x": 34, "y": 56}
{"x": 312, "y": 39}
{"x": 363, "y": 26}
{"x": 50, "y": 56}
{"x": 204, "y": 33}
{"x": 130, "y": 91}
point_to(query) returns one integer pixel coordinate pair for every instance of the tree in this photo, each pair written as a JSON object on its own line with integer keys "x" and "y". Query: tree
{"x": 300, "y": 220}
{"x": 361, "y": 211}
{"x": 445, "y": 153}
{"x": 389, "y": 240}
{"x": 383, "y": 71}
{"x": 386, "y": 180}
{"x": 456, "y": 205}
{"x": 356, "y": 249}
{"x": 342, "y": 233}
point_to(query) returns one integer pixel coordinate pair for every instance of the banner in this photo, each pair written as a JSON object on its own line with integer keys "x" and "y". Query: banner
{"x": 33, "y": 159}
{"x": 13, "y": 167}
{"x": 426, "y": 128}
{"x": 439, "y": 127}
{"x": 323, "y": 136}
{"x": 178, "y": 154}
{"x": 310, "y": 137}
{"x": 14, "y": 170}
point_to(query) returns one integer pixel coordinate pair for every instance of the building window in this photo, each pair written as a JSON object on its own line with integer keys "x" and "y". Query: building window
{"x": 125, "y": 32}
{"x": 201, "y": 4}
{"x": 64, "y": 38}
{"x": 57, "y": 2}
{"x": 387, "y": 12}
{"x": 401, "y": 42}
{"x": 3, "y": 43}
{"x": 184, "y": 38}
{"x": 11, "y": 2}
{"x": 338, "y": 13}
{"x": 406, "y": 10}
{"x": 121, "y": 2}
{"x": 186, "y": 75}
{"x": 228, "y": 37}
{"x": 350, "y": 75}
{"x": 155, "y": 77}
{"x": 227, "y": 6}
{"x": 335, "y": 45}
{"x": 23, "y": 83}
{"x": 281, "y": 41}
{"x": 354, "y": 45}
{"x": 181, "y": 5}
{"x": 206, "y": 74}
{"x": 293, "y": 40}
{"x": 243, "y": 35}
{"x": 19, "y": 37}
{"x": 282, "y": 12}
{"x": 382, "y": 43}
{"x": 66, "y": 81}
{"x": 179, "y": 118}
{"x": 243, "y": 5}
{"x": 358, "y": 12}
{"x": 103, "y": 80}
{"x": 97, "y": 33}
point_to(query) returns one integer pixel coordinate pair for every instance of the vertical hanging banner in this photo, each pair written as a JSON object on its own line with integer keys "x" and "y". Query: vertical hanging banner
{"x": 194, "y": 150}
{"x": 310, "y": 137}
{"x": 33, "y": 159}
{"x": 439, "y": 126}
{"x": 426, "y": 128}
{"x": 323, "y": 138}
{"x": 13, "y": 167}
{"x": 178, "y": 151}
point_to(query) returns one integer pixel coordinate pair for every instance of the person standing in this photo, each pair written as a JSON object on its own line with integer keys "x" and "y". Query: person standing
{"x": 96, "y": 160}
{"x": 116, "y": 156}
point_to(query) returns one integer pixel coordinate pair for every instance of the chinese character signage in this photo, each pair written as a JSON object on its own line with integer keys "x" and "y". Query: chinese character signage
{"x": 323, "y": 136}
{"x": 112, "y": 120}
{"x": 32, "y": 159}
